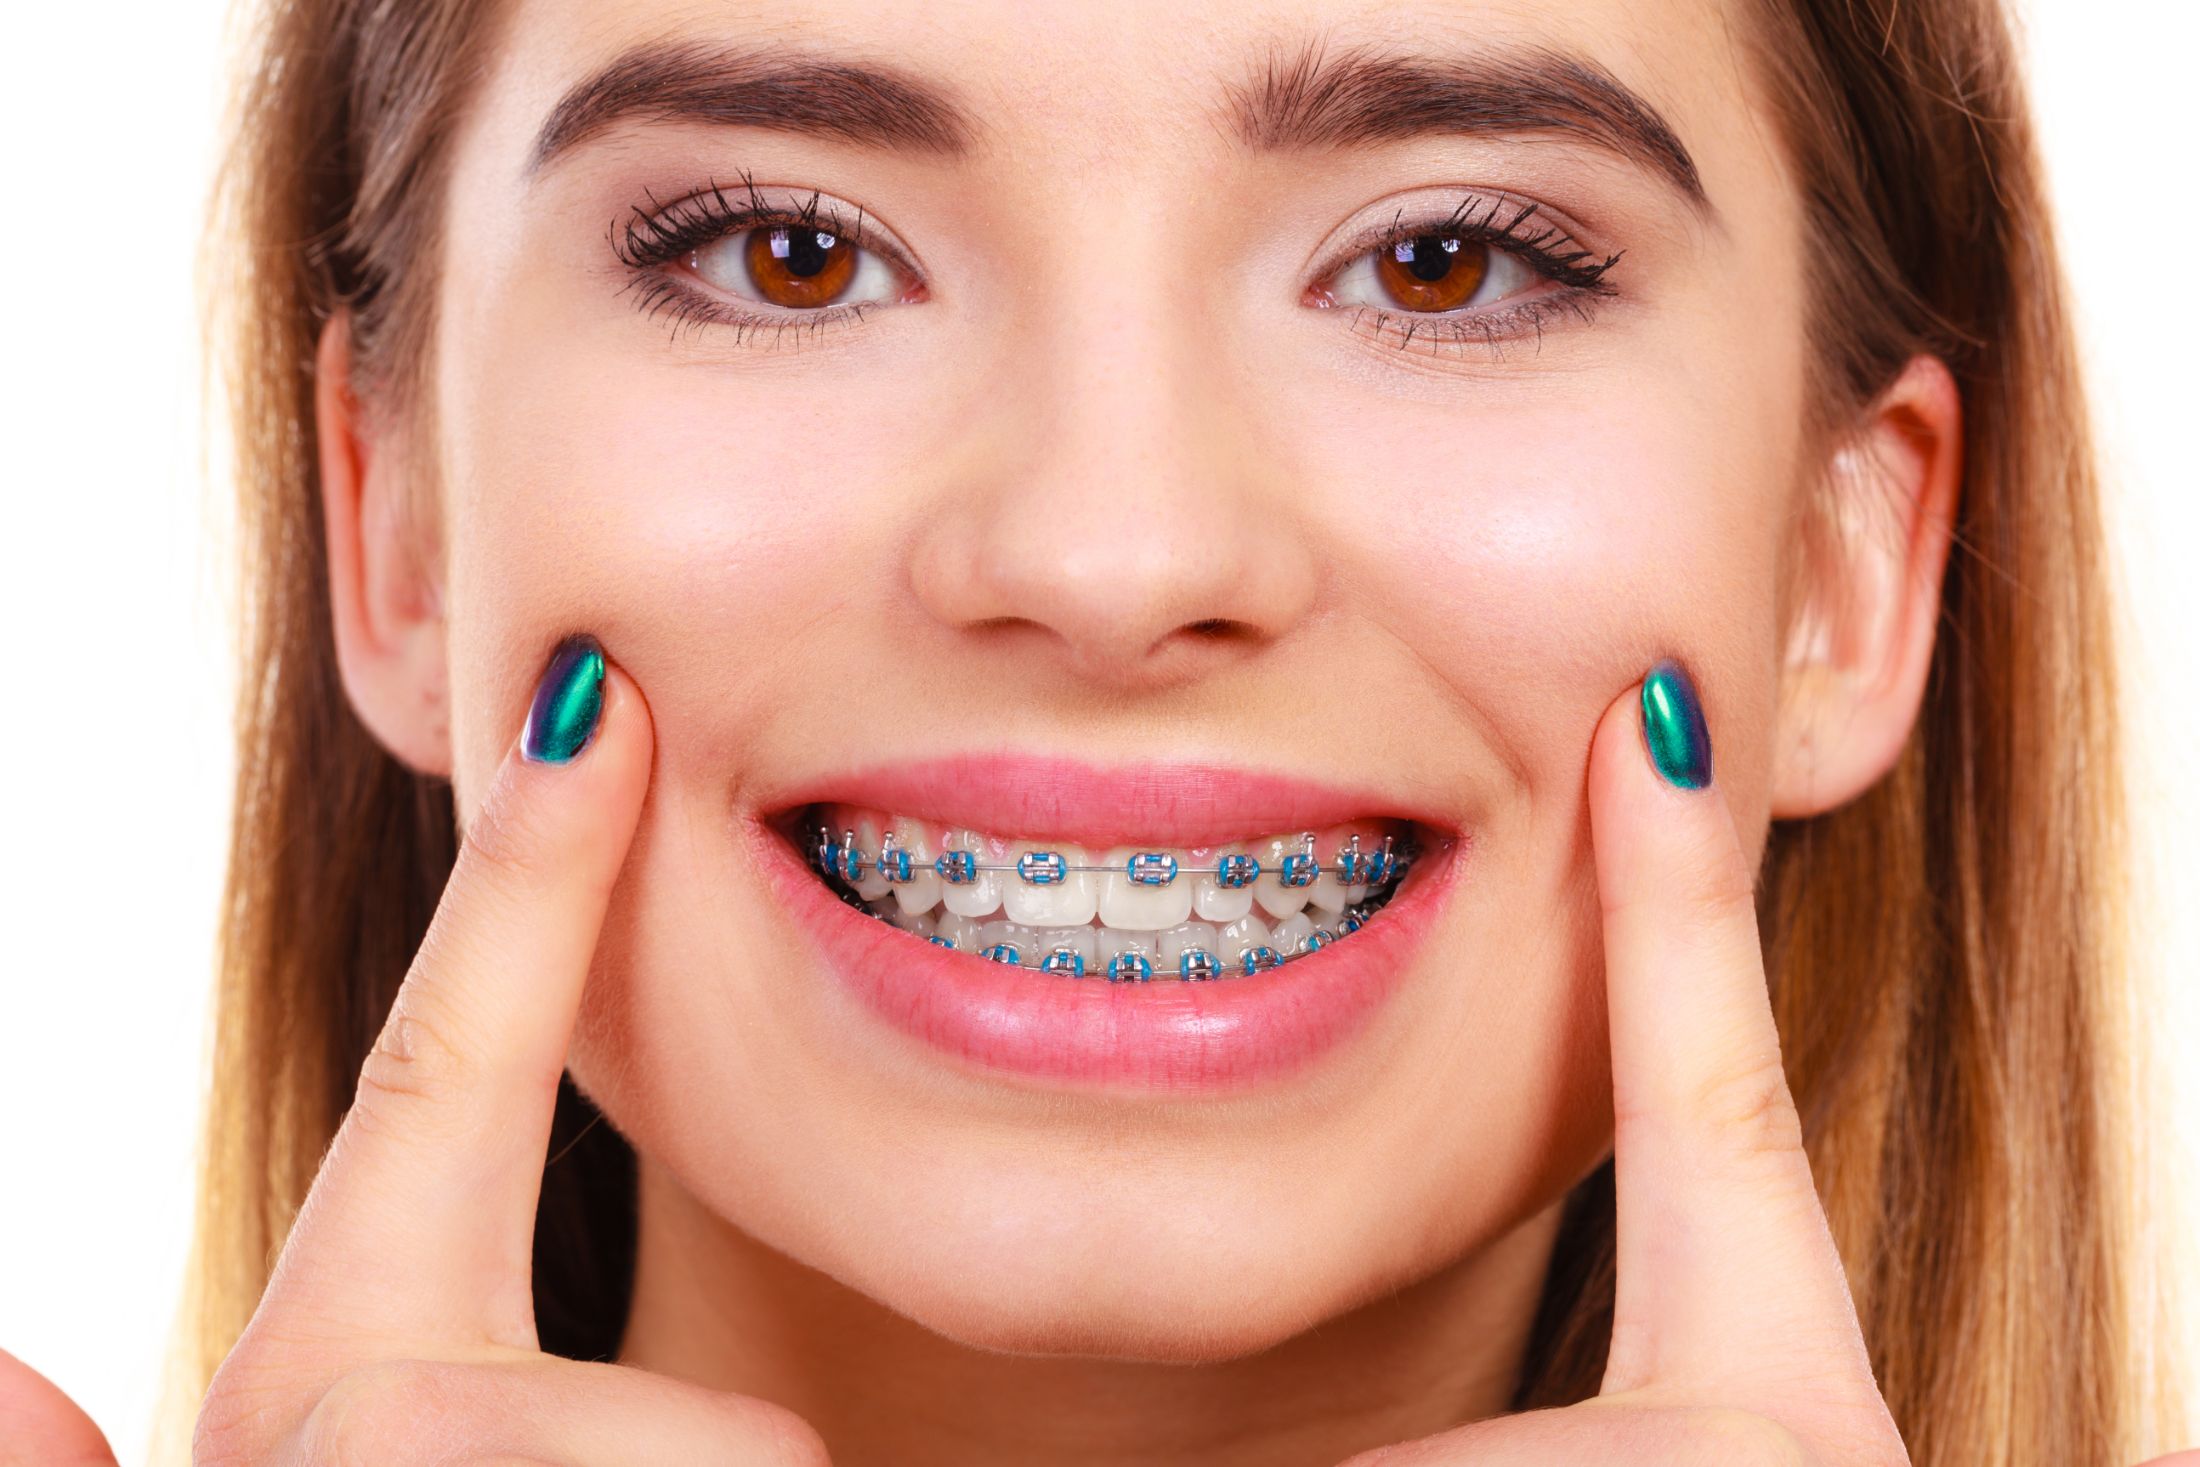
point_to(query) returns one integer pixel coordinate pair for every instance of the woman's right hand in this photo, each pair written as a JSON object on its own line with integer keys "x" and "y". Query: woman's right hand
{"x": 398, "y": 1326}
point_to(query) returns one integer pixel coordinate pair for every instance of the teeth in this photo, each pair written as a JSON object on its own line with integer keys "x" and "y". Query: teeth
{"x": 921, "y": 892}
{"x": 1330, "y": 893}
{"x": 979, "y": 898}
{"x": 1155, "y": 905}
{"x": 1184, "y": 935}
{"x": 960, "y": 930}
{"x": 872, "y": 885}
{"x": 924, "y": 924}
{"x": 1138, "y": 907}
{"x": 1083, "y": 940}
{"x": 1234, "y": 939}
{"x": 1216, "y": 902}
{"x": 1289, "y": 935}
{"x": 1276, "y": 899}
{"x": 1024, "y": 939}
{"x": 1056, "y": 904}
{"x": 1111, "y": 941}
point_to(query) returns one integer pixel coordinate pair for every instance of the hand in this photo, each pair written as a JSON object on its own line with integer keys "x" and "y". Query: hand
{"x": 398, "y": 1326}
{"x": 1734, "y": 1338}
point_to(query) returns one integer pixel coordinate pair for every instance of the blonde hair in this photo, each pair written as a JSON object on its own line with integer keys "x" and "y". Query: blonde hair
{"x": 1947, "y": 952}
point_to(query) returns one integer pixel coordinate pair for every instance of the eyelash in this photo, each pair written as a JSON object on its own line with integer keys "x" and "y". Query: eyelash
{"x": 1549, "y": 252}
{"x": 649, "y": 242}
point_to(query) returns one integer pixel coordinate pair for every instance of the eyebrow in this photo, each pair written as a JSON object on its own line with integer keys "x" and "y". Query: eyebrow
{"x": 866, "y": 103}
{"x": 1312, "y": 100}
{"x": 1303, "y": 101}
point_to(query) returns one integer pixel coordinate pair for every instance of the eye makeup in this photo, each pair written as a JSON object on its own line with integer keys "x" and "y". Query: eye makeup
{"x": 1407, "y": 252}
{"x": 659, "y": 245}
{"x": 660, "y": 248}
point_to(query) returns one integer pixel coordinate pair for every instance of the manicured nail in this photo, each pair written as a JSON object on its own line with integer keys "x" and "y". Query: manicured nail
{"x": 568, "y": 702}
{"x": 1673, "y": 726}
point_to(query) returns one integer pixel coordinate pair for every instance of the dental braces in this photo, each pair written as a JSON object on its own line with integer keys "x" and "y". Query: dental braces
{"x": 1194, "y": 964}
{"x": 1353, "y": 867}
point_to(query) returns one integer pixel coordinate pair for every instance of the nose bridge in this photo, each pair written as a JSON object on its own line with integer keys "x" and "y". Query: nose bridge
{"x": 1125, "y": 506}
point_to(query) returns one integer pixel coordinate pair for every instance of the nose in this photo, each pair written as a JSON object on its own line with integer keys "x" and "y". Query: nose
{"x": 1120, "y": 514}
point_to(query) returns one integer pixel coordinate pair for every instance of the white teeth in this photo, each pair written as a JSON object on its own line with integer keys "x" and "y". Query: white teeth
{"x": 960, "y": 930}
{"x": 873, "y": 885}
{"x": 1024, "y": 939}
{"x": 921, "y": 892}
{"x": 1084, "y": 941}
{"x": 1276, "y": 899}
{"x": 1331, "y": 895}
{"x": 1188, "y": 934}
{"x": 1328, "y": 894}
{"x": 1157, "y": 921}
{"x": 1065, "y": 904}
{"x": 1114, "y": 941}
{"x": 1216, "y": 902}
{"x": 979, "y": 898}
{"x": 1135, "y": 906}
{"x": 923, "y": 924}
{"x": 1233, "y": 940}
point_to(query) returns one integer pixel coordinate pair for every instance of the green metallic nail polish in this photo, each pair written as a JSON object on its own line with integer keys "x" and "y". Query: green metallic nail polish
{"x": 1673, "y": 726}
{"x": 568, "y": 702}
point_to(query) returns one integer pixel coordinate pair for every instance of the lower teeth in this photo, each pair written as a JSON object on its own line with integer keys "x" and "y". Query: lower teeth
{"x": 1136, "y": 956}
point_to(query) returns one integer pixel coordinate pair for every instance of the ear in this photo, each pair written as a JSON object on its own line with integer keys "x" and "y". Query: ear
{"x": 1863, "y": 643}
{"x": 384, "y": 594}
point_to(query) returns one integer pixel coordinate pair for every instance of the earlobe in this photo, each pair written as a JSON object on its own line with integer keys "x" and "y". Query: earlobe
{"x": 1862, "y": 643}
{"x": 384, "y": 600}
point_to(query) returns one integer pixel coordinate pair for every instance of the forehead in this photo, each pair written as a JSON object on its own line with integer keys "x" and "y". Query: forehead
{"x": 1654, "y": 88}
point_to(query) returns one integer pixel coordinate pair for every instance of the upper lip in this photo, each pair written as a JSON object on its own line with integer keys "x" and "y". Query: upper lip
{"x": 1045, "y": 796}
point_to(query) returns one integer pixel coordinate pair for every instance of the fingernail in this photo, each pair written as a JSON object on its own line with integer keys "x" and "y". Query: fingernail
{"x": 1673, "y": 726}
{"x": 568, "y": 702}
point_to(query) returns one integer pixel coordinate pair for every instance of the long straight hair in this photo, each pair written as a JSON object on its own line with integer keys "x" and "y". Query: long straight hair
{"x": 1947, "y": 952}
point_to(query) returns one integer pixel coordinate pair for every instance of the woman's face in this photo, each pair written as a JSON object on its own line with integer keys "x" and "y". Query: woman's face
{"x": 1140, "y": 453}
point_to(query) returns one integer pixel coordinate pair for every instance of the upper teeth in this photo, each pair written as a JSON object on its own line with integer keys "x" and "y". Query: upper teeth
{"x": 1158, "y": 903}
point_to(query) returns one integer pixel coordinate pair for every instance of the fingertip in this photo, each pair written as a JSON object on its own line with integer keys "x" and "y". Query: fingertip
{"x": 568, "y": 705}
{"x": 576, "y": 775}
{"x": 1660, "y": 823}
{"x": 586, "y": 710}
{"x": 43, "y": 1425}
{"x": 627, "y": 729}
{"x": 1675, "y": 736}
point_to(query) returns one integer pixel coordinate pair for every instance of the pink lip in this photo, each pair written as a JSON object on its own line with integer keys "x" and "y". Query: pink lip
{"x": 1054, "y": 798}
{"x": 1164, "y": 1035}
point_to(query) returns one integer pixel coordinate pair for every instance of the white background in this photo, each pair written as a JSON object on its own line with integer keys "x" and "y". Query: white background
{"x": 116, "y": 740}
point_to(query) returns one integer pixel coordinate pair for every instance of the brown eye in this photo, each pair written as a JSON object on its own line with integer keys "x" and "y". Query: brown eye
{"x": 1432, "y": 272}
{"x": 799, "y": 267}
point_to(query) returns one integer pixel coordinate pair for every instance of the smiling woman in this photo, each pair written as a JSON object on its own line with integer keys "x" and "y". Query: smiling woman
{"x": 986, "y": 735}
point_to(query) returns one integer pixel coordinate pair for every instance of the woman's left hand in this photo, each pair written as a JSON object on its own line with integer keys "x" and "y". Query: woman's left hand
{"x": 1734, "y": 1337}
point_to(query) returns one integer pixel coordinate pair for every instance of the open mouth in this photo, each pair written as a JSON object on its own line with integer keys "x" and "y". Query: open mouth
{"x": 1123, "y": 913}
{"x": 1017, "y": 884}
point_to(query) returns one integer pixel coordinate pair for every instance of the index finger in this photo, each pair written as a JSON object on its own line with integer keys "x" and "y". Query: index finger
{"x": 420, "y": 1224}
{"x": 1726, "y": 1267}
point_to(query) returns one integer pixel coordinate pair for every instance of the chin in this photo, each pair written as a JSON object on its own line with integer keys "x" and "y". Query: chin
{"x": 1181, "y": 1279}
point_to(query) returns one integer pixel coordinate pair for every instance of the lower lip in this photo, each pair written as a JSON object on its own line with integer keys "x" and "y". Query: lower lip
{"x": 1168, "y": 1034}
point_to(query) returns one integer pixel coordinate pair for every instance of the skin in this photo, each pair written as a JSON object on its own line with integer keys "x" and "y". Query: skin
{"x": 960, "y": 522}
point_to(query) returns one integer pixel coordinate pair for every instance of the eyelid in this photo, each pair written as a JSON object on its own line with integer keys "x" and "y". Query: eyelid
{"x": 712, "y": 212}
{"x": 1477, "y": 213}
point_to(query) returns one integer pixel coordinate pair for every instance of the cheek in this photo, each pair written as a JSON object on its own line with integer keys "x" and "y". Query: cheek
{"x": 1546, "y": 545}
{"x": 687, "y": 518}
{"x": 1534, "y": 550}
